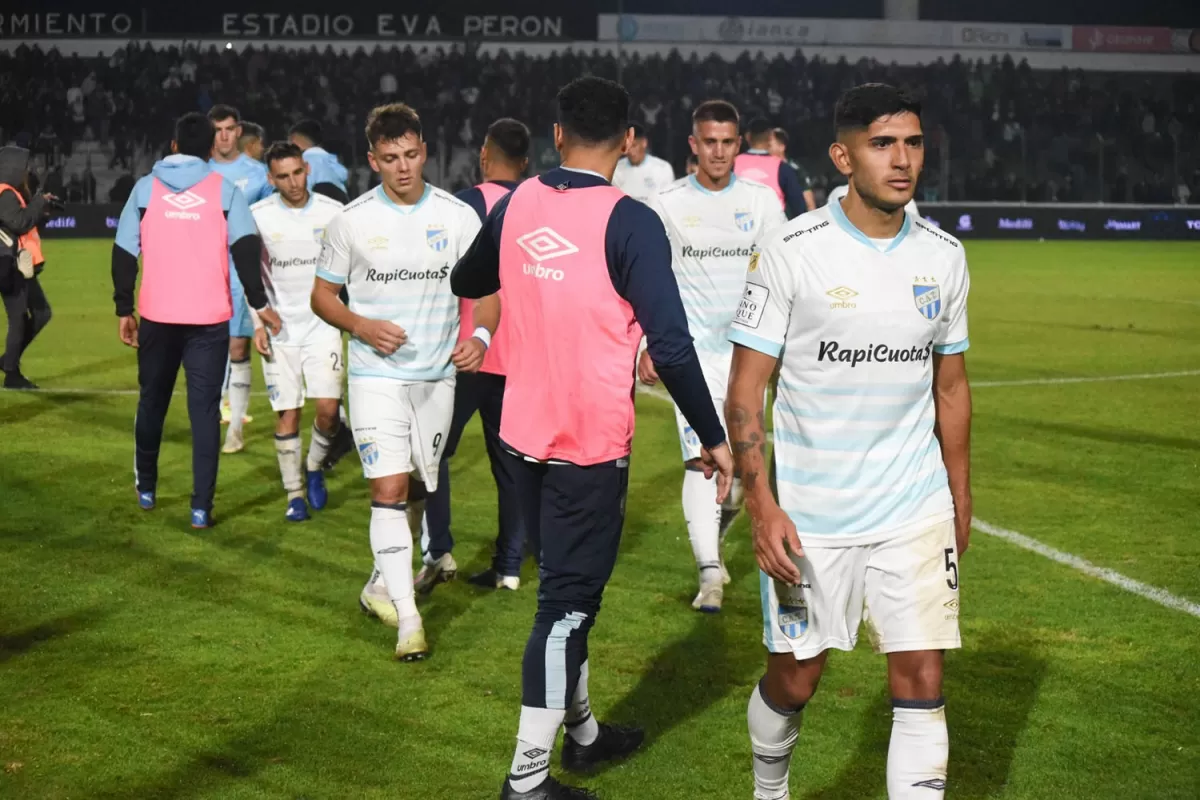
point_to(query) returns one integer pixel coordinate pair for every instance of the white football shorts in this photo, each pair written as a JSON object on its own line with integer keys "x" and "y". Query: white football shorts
{"x": 315, "y": 369}
{"x": 401, "y": 428}
{"x": 716, "y": 375}
{"x": 905, "y": 589}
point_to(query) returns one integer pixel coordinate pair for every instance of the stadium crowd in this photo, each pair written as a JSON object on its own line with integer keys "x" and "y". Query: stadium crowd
{"x": 998, "y": 130}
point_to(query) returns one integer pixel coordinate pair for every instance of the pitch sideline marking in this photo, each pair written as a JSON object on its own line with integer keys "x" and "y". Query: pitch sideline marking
{"x": 1152, "y": 593}
{"x": 662, "y": 395}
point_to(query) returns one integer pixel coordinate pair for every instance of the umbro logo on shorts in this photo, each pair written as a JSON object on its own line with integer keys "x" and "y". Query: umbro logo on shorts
{"x": 933, "y": 783}
{"x": 544, "y": 244}
{"x": 183, "y": 200}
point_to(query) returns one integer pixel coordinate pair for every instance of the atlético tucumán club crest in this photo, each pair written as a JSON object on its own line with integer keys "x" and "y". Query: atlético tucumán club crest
{"x": 744, "y": 220}
{"x": 793, "y": 621}
{"x": 436, "y": 238}
{"x": 928, "y": 297}
{"x": 368, "y": 453}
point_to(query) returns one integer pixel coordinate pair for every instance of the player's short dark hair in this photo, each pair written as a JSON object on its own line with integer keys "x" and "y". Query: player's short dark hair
{"x": 692, "y": 159}
{"x": 310, "y": 129}
{"x": 511, "y": 137}
{"x": 252, "y": 130}
{"x": 758, "y": 129}
{"x": 221, "y": 112}
{"x": 392, "y": 121}
{"x": 639, "y": 130}
{"x": 781, "y": 135}
{"x": 194, "y": 135}
{"x": 594, "y": 110}
{"x": 716, "y": 111}
{"x": 862, "y": 105}
{"x": 278, "y": 151}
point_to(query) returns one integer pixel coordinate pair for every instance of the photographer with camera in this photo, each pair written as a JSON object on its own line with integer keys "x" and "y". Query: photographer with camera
{"x": 21, "y": 261}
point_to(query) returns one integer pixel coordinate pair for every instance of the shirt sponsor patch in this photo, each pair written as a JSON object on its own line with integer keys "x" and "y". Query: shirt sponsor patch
{"x": 750, "y": 309}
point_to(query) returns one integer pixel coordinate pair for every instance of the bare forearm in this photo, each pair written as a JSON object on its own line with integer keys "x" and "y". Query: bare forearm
{"x": 746, "y": 421}
{"x": 954, "y": 434}
{"x": 487, "y": 313}
{"x": 329, "y": 307}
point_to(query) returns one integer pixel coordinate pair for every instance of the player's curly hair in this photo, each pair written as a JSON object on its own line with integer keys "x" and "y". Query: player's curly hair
{"x": 594, "y": 110}
{"x": 392, "y": 121}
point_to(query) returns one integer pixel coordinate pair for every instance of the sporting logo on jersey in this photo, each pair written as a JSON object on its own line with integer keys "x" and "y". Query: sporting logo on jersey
{"x": 842, "y": 296}
{"x": 368, "y": 453}
{"x": 437, "y": 238}
{"x": 928, "y": 297}
{"x": 544, "y": 244}
{"x": 744, "y": 220}
{"x": 377, "y": 243}
{"x": 242, "y": 183}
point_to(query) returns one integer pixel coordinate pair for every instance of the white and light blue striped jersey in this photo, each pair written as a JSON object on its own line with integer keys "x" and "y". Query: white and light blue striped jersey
{"x": 395, "y": 262}
{"x": 712, "y": 237}
{"x": 291, "y": 239}
{"x": 857, "y": 322}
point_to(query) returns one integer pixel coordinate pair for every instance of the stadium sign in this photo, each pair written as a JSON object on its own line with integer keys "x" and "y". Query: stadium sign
{"x": 538, "y": 20}
{"x": 1094, "y": 38}
{"x": 394, "y": 26}
{"x": 821, "y": 32}
{"x": 50, "y": 24}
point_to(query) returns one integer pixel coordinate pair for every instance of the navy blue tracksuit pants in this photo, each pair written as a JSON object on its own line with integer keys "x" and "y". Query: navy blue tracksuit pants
{"x": 202, "y": 351}
{"x": 482, "y": 392}
{"x": 576, "y": 514}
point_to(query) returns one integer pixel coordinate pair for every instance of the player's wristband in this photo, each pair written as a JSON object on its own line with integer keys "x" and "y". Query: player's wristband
{"x": 484, "y": 335}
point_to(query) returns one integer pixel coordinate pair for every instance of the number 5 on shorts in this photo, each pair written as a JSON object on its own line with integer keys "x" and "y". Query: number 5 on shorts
{"x": 952, "y": 568}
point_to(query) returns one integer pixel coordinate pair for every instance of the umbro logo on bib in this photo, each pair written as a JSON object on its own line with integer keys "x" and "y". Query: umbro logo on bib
{"x": 183, "y": 200}
{"x": 545, "y": 244}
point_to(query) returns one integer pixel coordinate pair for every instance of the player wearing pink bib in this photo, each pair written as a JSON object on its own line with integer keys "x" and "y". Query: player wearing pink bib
{"x": 583, "y": 270}
{"x": 502, "y": 161}
{"x": 759, "y": 165}
{"x": 187, "y": 222}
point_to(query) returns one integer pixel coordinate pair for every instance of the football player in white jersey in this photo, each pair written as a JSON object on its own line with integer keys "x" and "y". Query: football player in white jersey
{"x": 713, "y": 219}
{"x": 392, "y": 249}
{"x": 640, "y": 174}
{"x": 305, "y": 359}
{"x": 864, "y": 308}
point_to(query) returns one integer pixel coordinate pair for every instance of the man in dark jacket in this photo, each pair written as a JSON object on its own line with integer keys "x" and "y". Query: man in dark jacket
{"x": 24, "y": 301}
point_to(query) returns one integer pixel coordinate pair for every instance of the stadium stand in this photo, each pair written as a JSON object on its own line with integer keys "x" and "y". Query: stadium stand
{"x": 998, "y": 129}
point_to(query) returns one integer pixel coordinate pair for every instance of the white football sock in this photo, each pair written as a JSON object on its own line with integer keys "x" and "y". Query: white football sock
{"x": 703, "y": 518}
{"x": 773, "y": 734}
{"x": 581, "y": 725}
{"x": 416, "y": 522}
{"x": 392, "y": 544}
{"x": 535, "y": 740}
{"x": 731, "y": 507}
{"x": 239, "y": 393}
{"x": 919, "y": 750}
{"x": 287, "y": 450}
{"x": 318, "y": 447}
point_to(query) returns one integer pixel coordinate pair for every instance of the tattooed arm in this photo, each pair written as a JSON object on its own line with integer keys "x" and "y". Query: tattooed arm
{"x": 774, "y": 533}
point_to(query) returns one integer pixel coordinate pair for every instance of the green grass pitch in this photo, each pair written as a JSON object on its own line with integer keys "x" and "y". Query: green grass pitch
{"x": 141, "y": 660}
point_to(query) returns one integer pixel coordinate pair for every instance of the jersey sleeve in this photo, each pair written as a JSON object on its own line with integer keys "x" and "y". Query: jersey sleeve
{"x": 761, "y": 321}
{"x": 469, "y": 226}
{"x": 772, "y": 217}
{"x": 333, "y": 264}
{"x": 952, "y": 333}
